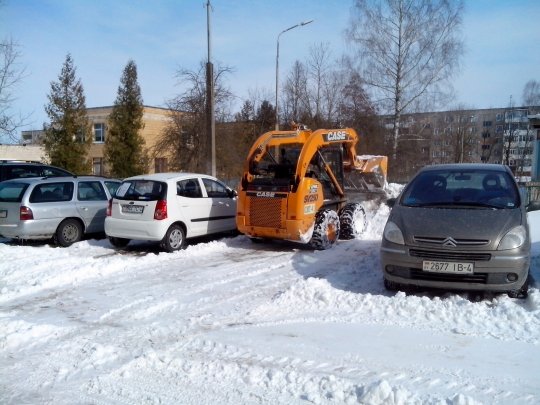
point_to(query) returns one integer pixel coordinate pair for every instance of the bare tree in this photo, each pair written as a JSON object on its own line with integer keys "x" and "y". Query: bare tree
{"x": 296, "y": 102}
{"x": 11, "y": 73}
{"x": 318, "y": 71}
{"x": 407, "y": 50}
{"x": 463, "y": 134}
{"x": 531, "y": 93}
{"x": 183, "y": 140}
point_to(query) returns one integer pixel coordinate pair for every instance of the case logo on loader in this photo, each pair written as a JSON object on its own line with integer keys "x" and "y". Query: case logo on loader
{"x": 268, "y": 194}
{"x": 335, "y": 136}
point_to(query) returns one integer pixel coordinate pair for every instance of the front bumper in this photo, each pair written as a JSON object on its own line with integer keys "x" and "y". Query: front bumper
{"x": 497, "y": 271}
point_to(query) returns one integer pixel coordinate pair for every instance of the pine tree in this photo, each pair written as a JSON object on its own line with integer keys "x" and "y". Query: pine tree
{"x": 124, "y": 146}
{"x": 68, "y": 136}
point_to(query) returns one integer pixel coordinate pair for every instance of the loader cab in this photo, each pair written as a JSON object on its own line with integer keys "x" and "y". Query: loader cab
{"x": 334, "y": 158}
{"x": 277, "y": 166}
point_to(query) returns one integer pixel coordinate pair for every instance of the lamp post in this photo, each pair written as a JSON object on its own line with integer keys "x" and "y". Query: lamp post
{"x": 277, "y": 65}
{"x": 210, "y": 105}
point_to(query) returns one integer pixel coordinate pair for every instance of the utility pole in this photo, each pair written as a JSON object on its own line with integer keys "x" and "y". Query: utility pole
{"x": 210, "y": 118}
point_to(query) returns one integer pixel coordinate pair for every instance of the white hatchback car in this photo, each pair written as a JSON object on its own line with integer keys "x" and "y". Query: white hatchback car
{"x": 169, "y": 208}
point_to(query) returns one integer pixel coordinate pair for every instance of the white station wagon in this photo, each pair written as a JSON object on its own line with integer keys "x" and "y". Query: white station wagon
{"x": 169, "y": 208}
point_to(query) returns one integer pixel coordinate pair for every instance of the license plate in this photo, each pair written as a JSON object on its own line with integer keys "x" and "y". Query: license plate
{"x": 448, "y": 267}
{"x": 3, "y": 213}
{"x": 133, "y": 209}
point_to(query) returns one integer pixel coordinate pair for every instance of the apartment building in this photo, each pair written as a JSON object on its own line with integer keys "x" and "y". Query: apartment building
{"x": 495, "y": 135}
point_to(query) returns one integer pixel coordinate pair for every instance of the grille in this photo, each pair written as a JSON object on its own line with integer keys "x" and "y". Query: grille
{"x": 480, "y": 278}
{"x": 455, "y": 242}
{"x": 452, "y": 256}
{"x": 265, "y": 212}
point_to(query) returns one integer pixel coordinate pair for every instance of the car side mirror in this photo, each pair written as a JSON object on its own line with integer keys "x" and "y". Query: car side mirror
{"x": 533, "y": 206}
{"x": 391, "y": 202}
{"x": 232, "y": 193}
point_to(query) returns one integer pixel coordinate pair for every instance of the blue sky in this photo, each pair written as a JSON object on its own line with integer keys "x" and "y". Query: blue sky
{"x": 502, "y": 40}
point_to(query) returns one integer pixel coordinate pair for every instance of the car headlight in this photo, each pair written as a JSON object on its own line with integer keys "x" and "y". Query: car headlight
{"x": 393, "y": 234}
{"x": 514, "y": 238}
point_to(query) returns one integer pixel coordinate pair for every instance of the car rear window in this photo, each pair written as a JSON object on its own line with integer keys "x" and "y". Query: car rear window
{"x": 147, "y": 190}
{"x": 12, "y": 192}
{"x": 21, "y": 171}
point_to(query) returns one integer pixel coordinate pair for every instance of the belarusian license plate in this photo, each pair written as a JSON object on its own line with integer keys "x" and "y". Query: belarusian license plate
{"x": 3, "y": 213}
{"x": 133, "y": 209}
{"x": 448, "y": 267}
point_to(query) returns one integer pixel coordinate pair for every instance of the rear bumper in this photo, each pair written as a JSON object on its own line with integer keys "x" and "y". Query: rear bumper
{"x": 137, "y": 230}
{"x": 504, "y": 271}
{"x": 292, "y": 230}
{"x": 30, "y": 229}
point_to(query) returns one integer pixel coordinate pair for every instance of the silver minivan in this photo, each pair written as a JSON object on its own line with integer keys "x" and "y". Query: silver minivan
{"x": 63, "y": 208}
{"x": 458, "y": 227}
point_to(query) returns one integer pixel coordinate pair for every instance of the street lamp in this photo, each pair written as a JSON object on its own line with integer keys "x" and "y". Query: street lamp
{"x": 277, "y": 64}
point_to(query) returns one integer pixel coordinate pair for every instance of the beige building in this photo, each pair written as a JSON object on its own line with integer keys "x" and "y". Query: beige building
{"x": 22, "y": 152}
{"x": 155, "y": 120}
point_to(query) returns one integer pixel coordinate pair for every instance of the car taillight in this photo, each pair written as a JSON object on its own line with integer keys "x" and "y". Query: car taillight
{"x": 161, "y": 210}
{"x": 109, "y": 208}
{"x": 25, "y": 213}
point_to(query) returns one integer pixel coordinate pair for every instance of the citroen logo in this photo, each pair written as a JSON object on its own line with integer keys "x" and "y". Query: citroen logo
{"x": 449, "y": 242}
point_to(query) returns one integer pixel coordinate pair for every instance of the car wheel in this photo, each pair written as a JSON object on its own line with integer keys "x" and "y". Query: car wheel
{"x": 175, "y": 239}
{"x": 352, "y": 220}
{"x": 523, "y": 292}
{"x": 68, "y": 232}
{"x": 118, "y": 242}
{"x": 326, "y": 230}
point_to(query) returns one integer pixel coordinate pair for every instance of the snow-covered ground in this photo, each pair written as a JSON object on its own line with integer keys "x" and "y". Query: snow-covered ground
{"x": 230, "y": 322}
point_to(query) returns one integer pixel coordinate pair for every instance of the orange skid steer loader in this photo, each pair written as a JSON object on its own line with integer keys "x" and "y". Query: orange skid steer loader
{"x": 306, "y": 186}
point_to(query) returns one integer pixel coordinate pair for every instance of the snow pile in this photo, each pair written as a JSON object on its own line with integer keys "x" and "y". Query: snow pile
{"x": 232, "y": 322}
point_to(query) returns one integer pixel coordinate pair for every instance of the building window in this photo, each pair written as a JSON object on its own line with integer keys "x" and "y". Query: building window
{"x": 499, "y": 129}
{"x": 160, "y": 165}
{"x": 499, "y": 117}
{"x": 99, "y": 133}
{"x": 97, "y": 166}
{"x": 486, "y": 124}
